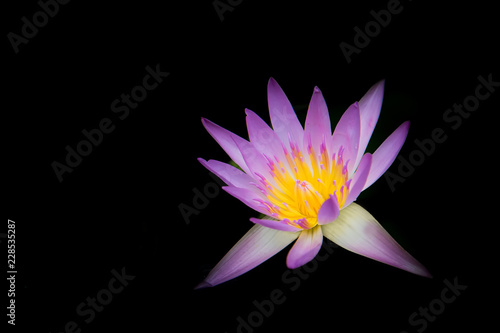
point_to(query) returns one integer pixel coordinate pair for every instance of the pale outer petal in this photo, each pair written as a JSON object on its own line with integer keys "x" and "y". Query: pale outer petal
{"x": 357, "y": 231}
{"x": 255, "y": 247}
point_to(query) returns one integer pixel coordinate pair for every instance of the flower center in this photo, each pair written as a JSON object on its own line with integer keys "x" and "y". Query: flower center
{"x": 304, "y": 182}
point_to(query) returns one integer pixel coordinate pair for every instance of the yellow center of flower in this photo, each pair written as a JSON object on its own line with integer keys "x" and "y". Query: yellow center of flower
{"x": 304, "y": 182}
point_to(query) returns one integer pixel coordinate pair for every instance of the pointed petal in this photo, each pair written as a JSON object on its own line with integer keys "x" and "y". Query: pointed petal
{"x": 263, "y": 138}
{"x": 255, "y": 247}
{"x": 229, "y": 174}
{"x": 369, "y": 110}
{"x": 227, "y": 140}
{"x": 386, "y": 153}
{"x": 305, "y": 248}
{"x": 359, "y": 179}
{"x": 283, "y": 117}
{"x": 328, "y": 211}
{"x": 274, "y": 224}
{"x": 346, "y": 134}
{"x": 357, "y": 231}
{"x": 318, "y": 124}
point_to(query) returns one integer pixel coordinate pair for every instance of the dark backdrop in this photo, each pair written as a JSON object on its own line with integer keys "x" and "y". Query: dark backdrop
{"x": 117, "y": 212}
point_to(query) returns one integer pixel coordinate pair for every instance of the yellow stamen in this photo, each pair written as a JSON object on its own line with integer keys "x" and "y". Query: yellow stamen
{"x": 303, "y": 185}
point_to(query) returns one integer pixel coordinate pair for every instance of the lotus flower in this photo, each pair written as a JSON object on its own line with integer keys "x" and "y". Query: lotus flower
{"x": 305, "y": 180}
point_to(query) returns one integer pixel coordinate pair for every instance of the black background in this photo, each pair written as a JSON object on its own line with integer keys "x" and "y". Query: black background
{"x": 119, "y": 207}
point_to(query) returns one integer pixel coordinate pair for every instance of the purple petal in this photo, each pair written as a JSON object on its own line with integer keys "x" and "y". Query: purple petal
{"x": 263, "y": 138}
{"x": 249, "y": 197}
{"x": 255, "y": 247}
{"x": 357, "y": 231}
{"x": 386, "y": 153}
{"x": 328, "y": 211}
{"x": 229, "y": 174}
{"x": 283, "y": 118}
{"x": 346, "y": 135}
{"x": 369, "y": 110}
{"x": 227, "y": 140}
{"x": 273, "y": 224}
{"x": 359, "y": 179}
{"x": 305, "y": 248}
{"x": 318, "y": 120}
{"x": 255, "y": 161}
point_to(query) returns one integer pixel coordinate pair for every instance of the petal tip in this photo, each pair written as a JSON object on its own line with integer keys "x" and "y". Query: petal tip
{"x": 296, "y": 262}
{"x": 406, "y": 125}
{"x": 428, "y": 275}
{"x": 292, "y": 265}
{"x": 305, "y": 248}
{"x": 206, "y": 123}
{"x": 422, "y": 271}
{"x": 203, "y": 284}
{"x": 380, "y": 84}
{"x": 272, "y": 84}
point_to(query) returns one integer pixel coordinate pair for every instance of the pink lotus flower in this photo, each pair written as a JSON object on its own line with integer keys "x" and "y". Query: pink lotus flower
{"x": 306, "y": 181}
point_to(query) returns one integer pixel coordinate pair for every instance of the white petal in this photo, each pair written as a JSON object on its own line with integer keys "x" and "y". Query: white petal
{"x": 357, "y": 230}
{"x": 255, "y": 247}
